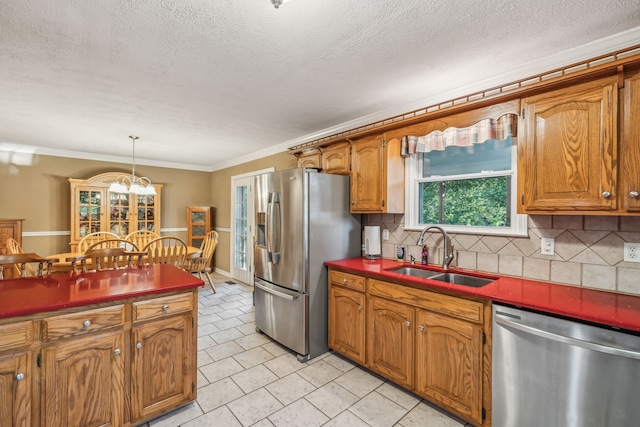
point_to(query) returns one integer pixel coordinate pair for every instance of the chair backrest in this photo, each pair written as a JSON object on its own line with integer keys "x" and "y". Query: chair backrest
{"x": 142, "y": 237}
{"x": 21, "y": 261}
{"x": 92, "y": 238}
{"x": 202, "y": 260}
{"x": 166, "y": 250}
{"x": 108, "y": 258}
{"x": 113, "y": 243}
{"x": 13, "y": 247}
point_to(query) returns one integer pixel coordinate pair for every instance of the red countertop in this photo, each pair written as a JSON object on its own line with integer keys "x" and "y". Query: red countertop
{"x": 32, "y": 295}
{"x": 607, "y": 308}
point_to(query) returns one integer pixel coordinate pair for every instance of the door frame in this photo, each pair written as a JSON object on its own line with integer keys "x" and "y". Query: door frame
{"x": 237, "y": 273}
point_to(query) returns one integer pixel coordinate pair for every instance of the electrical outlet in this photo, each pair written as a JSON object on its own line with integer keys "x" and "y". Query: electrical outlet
{"x": 547, "y": 246}
{"x": 632, "y": 252}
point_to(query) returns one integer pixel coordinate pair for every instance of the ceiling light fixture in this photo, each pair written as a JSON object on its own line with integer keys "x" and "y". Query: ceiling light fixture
{"x": 132, "y": 184}
{"x": 278, "y": 3}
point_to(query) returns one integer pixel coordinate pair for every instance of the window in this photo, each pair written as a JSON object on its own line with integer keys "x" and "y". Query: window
{"x": 468, "y": 189}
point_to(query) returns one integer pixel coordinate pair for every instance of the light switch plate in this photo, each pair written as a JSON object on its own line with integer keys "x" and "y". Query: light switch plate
{"x": 547, "y": 246}
{"x": 385, "y": 234}
{"x": 632, "y": 252}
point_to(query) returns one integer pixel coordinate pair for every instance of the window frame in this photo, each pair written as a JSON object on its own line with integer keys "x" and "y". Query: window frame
{"x": 413, "y": 178}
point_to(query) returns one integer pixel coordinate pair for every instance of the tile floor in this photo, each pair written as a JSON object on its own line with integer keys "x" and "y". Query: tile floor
{"x": 246, "y": 379}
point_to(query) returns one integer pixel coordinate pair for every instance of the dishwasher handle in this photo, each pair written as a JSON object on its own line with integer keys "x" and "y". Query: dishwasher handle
{"x": 507, "y": 322}
{"x": 274, "y": 292}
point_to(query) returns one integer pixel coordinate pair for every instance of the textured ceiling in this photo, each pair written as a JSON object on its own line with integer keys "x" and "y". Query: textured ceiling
{"x": 210, "y": 83}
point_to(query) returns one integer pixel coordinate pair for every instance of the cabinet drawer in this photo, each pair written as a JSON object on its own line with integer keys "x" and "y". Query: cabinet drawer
{"x": 347, "y": 280}
{"x": 16, "y": 335}
{"x": 83, "y": 322}
{"x": 433, "y": 301}
{"x": 161, "y": 307}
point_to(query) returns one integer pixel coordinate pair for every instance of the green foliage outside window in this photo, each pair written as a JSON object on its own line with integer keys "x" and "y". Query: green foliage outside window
{"x": 470, "y": 202}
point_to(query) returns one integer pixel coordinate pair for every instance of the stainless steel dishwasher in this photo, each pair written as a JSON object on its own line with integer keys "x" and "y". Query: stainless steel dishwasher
{"x": 555, "y": 372}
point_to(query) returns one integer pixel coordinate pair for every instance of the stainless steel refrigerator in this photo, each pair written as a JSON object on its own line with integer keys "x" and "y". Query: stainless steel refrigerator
{"x": 302, "y": 220}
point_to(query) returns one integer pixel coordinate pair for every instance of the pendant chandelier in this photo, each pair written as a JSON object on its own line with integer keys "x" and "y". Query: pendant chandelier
{"x": 133, "y": 184}
{"x": 278, "y": 3}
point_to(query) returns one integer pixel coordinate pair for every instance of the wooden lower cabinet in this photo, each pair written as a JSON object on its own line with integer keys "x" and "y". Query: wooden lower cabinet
{"x": 430, "y": 343}
{"x": 83, "y": 382}
{"x": 390, "y": 340}
{"x": 162, "y": 371}
{"x": 16, "y": 377}
{"x": 449, "y": 362}
{"x": 347, "y": 322}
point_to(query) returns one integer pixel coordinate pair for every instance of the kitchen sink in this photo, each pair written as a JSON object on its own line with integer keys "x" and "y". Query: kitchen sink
{"x": 416, "y": 272}
{"x": 462, "y": 279}
{"x": 455, "y": 278}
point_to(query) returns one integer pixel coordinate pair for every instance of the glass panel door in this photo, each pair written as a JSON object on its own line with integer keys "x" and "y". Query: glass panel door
{"x": 119, "y": 214}
{"x": 242, "y": 232}
{"x": 146, "y": 213}
{"x": 89, "y": 212}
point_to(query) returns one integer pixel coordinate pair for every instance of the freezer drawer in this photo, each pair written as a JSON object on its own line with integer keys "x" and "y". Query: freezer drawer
{"x": 282, "y": 314}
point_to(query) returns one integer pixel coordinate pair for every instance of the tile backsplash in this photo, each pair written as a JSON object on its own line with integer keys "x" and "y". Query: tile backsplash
{"x": 588, "y": 250}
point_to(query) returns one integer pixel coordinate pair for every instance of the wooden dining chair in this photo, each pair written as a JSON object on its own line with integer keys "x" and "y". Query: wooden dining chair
{"x": 92, "y": 238}
{"x": 114, "y": 243}
{"x": 200, "y": 262}
{"x": 141, "y": 237}
{"x": 99, "y": 259}
{"x": 166, "y": 250}
{"x": 23, "y": 261}
{"x": 13, "y": 247}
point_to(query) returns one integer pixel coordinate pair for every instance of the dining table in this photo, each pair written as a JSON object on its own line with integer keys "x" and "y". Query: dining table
{"x": 63, "y": 265}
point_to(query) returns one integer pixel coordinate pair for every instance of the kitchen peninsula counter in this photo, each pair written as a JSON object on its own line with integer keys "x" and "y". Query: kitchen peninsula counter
{"x": 114, "y": 347}
{"x": 601, "y": 307}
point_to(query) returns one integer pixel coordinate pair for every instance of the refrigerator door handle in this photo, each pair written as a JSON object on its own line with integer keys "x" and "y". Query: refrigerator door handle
{"x": 274, "y": 292}
{"x": 274, "y": 228}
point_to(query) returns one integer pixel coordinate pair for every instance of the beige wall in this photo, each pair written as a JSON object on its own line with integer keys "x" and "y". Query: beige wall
{"x": 221, "y": 198}
{"x": 36, "y": 189}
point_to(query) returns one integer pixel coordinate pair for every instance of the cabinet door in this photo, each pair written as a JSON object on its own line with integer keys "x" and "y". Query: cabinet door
{"x": 15, "y": 390}
{"x": 336, "y": 159}
{"x": 568, "y": 159}
{"x": 162, "y": 373}
{"x": 449, "y": 363}
{"x": 120, "y": 214}
{"x": 368, "y": 175}
{"x": 88, "y": 211}
{"x": 347, "y": 323}
{"x": 630, "y": 145}
{"x": 390, "y": 340}
{"x": 198, "y": 224}
{"x": 83, "y": 382}
{"x": 310, "y": 159}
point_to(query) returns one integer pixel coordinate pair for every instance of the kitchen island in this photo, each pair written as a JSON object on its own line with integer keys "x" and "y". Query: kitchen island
{"x": 434, "y": 337}
{"x": 114, "y": 347}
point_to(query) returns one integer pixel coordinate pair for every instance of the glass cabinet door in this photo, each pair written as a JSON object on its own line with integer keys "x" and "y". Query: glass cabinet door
{"x": 119, "y": 214}
{"x": 89, "y": 211}
{"x": 146, "y": 212}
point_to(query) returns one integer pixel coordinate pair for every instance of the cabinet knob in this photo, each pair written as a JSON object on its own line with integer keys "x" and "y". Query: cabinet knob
{"x": 408, "y": 323}
{"x": 165, "y": 307}
{"x": 633, "y": 194}
{"x": 353, "y": 202}
{"x": 606, "y": 194}
{"x": 359, "y": 308}
{"x": 20, "y": 376}
{"x": 421, "y": 328}
{"x": 344, "y": 281}
{"x": 116, "y": 351}
{"x": 139, "y": 345}
{"x": 86, "y": 323}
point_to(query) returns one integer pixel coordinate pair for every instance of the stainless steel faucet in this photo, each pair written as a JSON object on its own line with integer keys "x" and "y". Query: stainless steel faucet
{"x": 447, "y": 249}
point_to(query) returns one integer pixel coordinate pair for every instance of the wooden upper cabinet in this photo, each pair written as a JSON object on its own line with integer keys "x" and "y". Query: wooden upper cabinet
{"x": 94, "y": 208}
{"x": 567, "y": 154}
{"x": 336, "y": 158}
{"x": 199, "y": 223}
{"x": 630, "y": 144}
{"x": 310, "y": 159}
{"x": 377, "y": 176}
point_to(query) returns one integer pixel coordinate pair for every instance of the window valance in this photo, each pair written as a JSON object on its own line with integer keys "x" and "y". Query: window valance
{"x": 482, "y": 131}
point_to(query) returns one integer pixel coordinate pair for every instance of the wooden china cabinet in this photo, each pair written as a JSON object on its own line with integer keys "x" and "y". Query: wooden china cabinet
{"x": 94, "y": 208}
{"x": 199, "y": 223}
